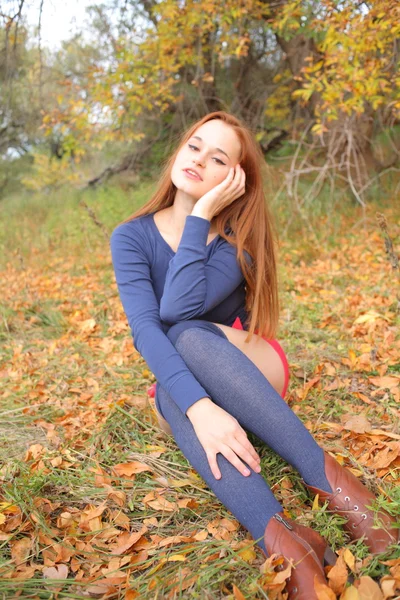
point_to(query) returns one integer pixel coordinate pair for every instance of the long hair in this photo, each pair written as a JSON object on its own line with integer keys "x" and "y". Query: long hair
{"x": 249, "y": 219}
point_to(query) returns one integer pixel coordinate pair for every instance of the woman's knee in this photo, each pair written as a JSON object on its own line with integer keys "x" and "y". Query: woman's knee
{"x": 175, "y": 330}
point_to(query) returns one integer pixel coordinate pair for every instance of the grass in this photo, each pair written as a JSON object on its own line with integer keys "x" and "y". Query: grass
{"x": 74, "y": 406}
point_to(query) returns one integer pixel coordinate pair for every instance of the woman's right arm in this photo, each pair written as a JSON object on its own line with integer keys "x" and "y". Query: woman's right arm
{"x": 215, "y": 428}
{"x": 132, "y": 274}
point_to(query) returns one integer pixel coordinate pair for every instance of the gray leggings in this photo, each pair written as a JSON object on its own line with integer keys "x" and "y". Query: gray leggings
{"x": 239, "y": 387}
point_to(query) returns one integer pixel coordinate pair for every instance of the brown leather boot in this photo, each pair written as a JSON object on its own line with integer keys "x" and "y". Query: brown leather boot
{"x": 350, "y": 499}
{"x": 284, "y": 536}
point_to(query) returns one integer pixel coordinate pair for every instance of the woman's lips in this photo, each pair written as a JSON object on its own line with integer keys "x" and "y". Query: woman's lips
{"x": 191, "y": 176}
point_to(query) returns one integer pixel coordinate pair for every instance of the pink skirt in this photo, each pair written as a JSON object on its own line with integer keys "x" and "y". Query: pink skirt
{"x": 276, "y": 345}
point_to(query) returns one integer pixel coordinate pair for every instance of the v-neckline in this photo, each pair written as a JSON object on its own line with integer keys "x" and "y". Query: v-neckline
{"x": 158, "y": 233}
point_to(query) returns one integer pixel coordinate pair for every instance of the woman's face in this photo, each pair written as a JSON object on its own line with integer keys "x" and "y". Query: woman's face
{"x": 202, "y": 155}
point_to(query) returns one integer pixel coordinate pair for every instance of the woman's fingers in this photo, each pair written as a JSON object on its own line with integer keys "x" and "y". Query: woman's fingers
{"x": 254, "y": 458}
{"x": 235, "y": 460}
{"x": 244, "y": 440}
{"x": 238, "y": 183}
{"x": 245, "y": 453}
{"x": 231, "y": 453}
{"x": 212, "y": 461}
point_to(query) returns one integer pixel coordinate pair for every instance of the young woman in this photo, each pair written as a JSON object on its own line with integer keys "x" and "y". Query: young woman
{"x": 196, "y": 274}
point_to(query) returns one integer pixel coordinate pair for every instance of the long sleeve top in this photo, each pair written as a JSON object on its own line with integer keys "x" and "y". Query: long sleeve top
{"x": 159, "y": 287}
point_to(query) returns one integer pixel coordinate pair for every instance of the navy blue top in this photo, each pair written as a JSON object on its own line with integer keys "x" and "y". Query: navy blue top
{"x": 159, "y": 287}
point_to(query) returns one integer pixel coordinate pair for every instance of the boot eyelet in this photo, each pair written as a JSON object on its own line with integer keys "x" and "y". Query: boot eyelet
{"x": 354, "y": 526}
{"x": 355, "y": 507}
{"x": 364, "y": 516}
{"x": 336, "y": 507}
{"x": 339, "y": 489}
{"x": 347, "y": 498}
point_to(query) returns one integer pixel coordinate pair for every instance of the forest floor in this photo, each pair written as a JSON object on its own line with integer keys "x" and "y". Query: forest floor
{"x": 96, "y": 501}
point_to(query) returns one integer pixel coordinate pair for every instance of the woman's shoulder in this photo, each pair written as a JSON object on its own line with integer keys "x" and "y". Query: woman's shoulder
{"x": 134, "y": 228}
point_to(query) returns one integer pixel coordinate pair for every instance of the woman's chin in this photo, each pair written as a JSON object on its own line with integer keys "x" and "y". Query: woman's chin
{"x": 188, "y": 190}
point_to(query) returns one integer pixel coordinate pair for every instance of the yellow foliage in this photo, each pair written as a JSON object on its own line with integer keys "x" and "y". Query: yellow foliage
{"x": 351, "y": 66}
{"x": 51, "y": 172}
{"x": 356, "y": 64}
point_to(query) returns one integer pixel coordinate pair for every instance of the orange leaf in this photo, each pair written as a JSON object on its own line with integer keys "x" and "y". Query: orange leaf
{"x": 58, "y": 572}
{"x": 323, "y": 591}
{"x": 237, "y": 593}
{"x": 161, "y": 503}
{"x": 174, "y": 539}
{"x": 126, "y": 540}
{"x": 281, "y": 576}
{"x": 20, "y": 550}
{"x": 386, "y": 456}
{"x": 387, "y": 382}
{"x": 338, "y": 575}
{"x": 368, "y": 589}
{"x": 358, "y": 424}
{"x": 128, "y": 469}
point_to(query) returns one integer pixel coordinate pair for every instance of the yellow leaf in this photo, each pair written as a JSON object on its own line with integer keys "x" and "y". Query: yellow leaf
{"x": 248, "y": 554}
{"x": 180, "y": 482}
{"x": 315, "y": 505}
{"x": 369, "y": 317}
{"x": 350, "y": 593}
{"x": 349, "y": 559}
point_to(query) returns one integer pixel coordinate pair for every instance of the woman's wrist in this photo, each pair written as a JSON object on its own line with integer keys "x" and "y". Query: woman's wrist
{"x": 198, "y": 406}
{"x": 198, "y": 212}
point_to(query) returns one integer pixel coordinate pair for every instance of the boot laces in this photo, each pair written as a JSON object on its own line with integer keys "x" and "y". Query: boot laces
{"x": 347, "y": 507}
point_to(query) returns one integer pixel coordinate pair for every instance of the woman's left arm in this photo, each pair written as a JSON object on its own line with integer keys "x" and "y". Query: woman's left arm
{"x": 193, "y": 286}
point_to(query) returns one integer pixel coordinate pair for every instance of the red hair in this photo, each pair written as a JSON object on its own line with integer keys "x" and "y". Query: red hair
{"x": 248, "y": 217}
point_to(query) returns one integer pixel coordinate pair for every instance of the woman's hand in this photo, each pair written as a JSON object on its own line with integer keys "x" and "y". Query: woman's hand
{"x": 218, "y": 431}
{"x": 222, "y": 194}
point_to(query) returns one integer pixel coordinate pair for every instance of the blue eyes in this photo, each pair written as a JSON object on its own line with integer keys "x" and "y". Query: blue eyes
{"x": 196, "y": 148}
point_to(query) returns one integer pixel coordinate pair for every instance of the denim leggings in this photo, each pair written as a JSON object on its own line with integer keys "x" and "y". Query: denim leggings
{"x": 239, "y": 387}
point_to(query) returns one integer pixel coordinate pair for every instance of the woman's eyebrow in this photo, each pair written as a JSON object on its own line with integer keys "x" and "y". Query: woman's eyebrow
{"x": 219, "y": 149}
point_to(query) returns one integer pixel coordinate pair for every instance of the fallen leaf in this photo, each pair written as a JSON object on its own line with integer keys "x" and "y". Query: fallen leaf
{"x": 237, "y": 593}
{"x": 369, "y": 317}
{"x": 358, "y": 424}
{"x": 350, "y": 593}
{"x": 20, "y": 550}
{"x": 385, "y": 457}
{"x": 349, "y": 559}
{"x": 126, "y": 540}
{"x": 387, "y": 382}
{"x": 389, "y": 586}
{"x": 129, "y": 469}
{"x": 315, "y": 504}
{"x": 57, "y": 572}
{"x": 337, "y": 576}
{"x": 322, "y": 591}
{"x": 368, "y": 589}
